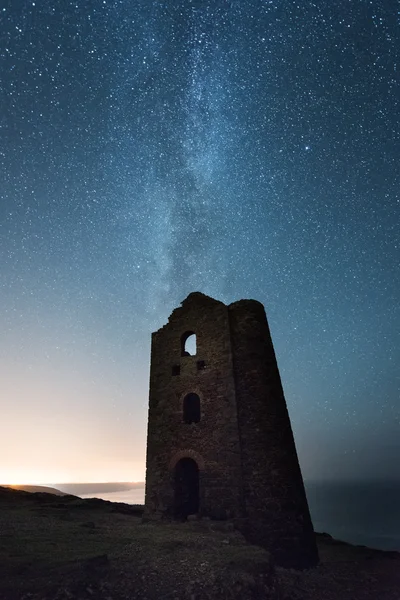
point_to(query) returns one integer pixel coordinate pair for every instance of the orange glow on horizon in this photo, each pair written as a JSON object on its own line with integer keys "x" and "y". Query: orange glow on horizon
{"x": 61, "y": 427}
{"x": 49, "y": 478}
{"x": 58, "y": 482}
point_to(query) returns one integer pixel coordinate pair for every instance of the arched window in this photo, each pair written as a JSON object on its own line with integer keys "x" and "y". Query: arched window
{"x": 188, "y": 344}
{"x": 191, "y": 408}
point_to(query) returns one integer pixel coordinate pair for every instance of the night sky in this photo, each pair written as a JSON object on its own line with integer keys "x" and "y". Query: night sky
{"x": 241, "y": 148}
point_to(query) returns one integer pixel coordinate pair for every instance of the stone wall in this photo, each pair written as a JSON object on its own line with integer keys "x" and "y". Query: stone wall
{"x": 213, "y": 441}
{"x": 275, "y": 500}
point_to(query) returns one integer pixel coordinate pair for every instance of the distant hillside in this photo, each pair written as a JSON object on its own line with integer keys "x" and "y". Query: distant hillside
{"x": 37, "y": 488}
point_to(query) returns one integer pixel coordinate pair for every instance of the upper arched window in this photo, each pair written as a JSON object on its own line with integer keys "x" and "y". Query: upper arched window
{"x": 188, "y": 344}
{"x": 191, "y": 408}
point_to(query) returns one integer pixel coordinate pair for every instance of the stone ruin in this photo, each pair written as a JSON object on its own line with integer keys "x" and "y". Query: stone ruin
{"x": 220, "y": 443}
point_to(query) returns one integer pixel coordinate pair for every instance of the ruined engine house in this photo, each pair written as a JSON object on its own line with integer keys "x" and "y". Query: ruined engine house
{"x": 220, "y": 443}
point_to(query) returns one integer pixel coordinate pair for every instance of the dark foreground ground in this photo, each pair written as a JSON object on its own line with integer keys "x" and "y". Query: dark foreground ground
{"x": 65, "y": 548}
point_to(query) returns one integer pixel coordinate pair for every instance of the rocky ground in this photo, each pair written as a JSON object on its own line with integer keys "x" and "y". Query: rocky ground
{"x": 65, "y": 548}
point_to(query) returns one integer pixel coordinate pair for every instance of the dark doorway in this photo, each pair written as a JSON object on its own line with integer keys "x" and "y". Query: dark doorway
{"x": 186, "y": 488}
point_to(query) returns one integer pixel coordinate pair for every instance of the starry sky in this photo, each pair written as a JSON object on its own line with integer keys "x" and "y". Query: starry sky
{"x": 244, "y": 149}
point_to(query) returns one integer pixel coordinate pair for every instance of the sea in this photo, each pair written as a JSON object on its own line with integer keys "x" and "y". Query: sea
{"x": 133, "y": 496}
{"x": 366, "y": 513}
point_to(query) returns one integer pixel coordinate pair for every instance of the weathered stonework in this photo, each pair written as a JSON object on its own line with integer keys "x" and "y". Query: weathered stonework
{"x": 236, "y": 457}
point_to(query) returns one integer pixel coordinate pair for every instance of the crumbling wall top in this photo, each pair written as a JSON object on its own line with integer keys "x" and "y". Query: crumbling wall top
{"x": 194, "y": 299}
{"x": 199, "y": 300}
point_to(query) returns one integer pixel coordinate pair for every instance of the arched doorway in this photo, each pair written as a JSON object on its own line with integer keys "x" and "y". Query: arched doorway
{"x": 186, "y": 488}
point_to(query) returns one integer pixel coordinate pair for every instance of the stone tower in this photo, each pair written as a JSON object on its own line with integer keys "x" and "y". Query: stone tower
{"x": 219, "y": 441}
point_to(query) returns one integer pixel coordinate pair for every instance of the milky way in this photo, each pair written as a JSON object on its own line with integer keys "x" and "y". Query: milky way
{"x": 242, "y": 149}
